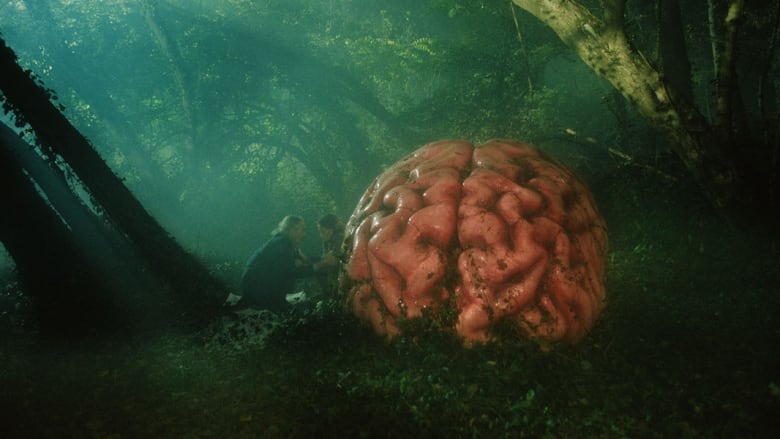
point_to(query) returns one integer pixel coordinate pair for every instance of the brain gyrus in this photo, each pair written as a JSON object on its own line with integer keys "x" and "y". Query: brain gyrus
{"x": 500, "y": 233}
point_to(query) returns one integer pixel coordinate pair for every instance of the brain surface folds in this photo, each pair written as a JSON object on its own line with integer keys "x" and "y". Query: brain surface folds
{"x": 500, "y": 232}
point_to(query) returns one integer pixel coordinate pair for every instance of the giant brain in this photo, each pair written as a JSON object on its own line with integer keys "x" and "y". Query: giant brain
{"x": 500, "y": 233}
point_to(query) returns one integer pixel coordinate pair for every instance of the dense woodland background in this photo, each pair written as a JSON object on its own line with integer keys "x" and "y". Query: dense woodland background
{"x": 222, "y": 116}
{"x": 190, "y": 128}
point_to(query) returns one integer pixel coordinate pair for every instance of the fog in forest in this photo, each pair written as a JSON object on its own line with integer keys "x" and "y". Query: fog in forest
{"x": 223, "y": 116}
{"x": 214, "y": 114}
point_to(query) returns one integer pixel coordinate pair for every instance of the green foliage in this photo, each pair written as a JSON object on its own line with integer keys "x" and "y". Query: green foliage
{"x": 223, "y": 116}
{"x": 685, "y": 348}
{"x": 432, "y": 324}
{"x": 287, "y": 106}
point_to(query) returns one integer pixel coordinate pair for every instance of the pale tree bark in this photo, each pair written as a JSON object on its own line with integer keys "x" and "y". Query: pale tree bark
{"x": 603, "y": 46}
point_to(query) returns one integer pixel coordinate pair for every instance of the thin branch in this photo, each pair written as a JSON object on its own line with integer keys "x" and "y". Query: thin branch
{"x": 726, "y": 76}
{"x": 770, "y": 56}
{"x": 148, "y": 10}
{"x": 522, "y": 47}
{"x": 712, "y": 27}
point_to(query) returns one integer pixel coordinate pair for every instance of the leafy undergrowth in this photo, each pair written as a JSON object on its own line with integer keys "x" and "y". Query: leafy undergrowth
{"x": 687, "y": 347}
{"x": 657, "y": 365}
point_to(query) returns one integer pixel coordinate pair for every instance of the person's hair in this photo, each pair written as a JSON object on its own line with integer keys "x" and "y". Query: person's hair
{"x": 286, "y": 224}
{"x": 330, "y": 221}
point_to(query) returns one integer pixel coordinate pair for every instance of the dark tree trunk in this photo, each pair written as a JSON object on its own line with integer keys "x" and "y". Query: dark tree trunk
{"x": 672, "y": 48}
{"x": 197, "y": 288}
{"x": 98, "y": 250}
{"x": 66, "y": 292}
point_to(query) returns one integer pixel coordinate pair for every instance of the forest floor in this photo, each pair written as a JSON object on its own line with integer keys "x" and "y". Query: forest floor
{"x": 687, "y": 347}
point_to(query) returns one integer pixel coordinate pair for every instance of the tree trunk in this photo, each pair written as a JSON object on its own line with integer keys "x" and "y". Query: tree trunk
{"x": 66, "y": 292}
{"x": 727, "y": 88}
{"x": 603, "y": 45}
{"x": 195, "y": 285}
{"x": 672, "y": 48}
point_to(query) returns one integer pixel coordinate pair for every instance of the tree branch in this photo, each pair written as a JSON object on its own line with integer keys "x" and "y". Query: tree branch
{"x": 606, "y": 50}
{"x": 148, "y": 10}
{"x": 726, "y": 77}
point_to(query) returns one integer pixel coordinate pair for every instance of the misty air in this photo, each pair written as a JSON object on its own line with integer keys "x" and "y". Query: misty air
{"x": 438, "y": 218}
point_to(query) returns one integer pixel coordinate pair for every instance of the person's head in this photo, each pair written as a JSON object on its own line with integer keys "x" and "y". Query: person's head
{"x": 327, "y": 226}
{"x": 293, "y": 227}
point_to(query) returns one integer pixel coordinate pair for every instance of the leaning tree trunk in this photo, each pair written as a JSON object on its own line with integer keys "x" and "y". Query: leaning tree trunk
{"x": 197, "y": 287}
{"x": 51, "y": 221}
{"x": 67, "y": 294}
{"x": 603, "y": 45}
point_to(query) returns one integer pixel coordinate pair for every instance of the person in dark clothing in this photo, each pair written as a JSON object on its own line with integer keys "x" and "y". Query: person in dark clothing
{"x": 331, "y": 231}
{"x": 270, "y": 273}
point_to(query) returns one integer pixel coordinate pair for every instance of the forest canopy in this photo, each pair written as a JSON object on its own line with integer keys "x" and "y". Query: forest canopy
{"x": 223, "y": 116}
